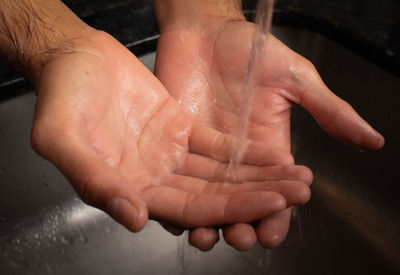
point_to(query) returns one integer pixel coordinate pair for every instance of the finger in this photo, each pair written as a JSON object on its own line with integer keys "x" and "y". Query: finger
{"x": 212, "y": 170}
{"x": 188, "y": 210}
{"x": 204, "y": 238}
{"x": 294, "y": 192}
{"x": 176, "y": 231}
{"x": 96, "y": 183}
{"x": 335, "y": 115}
{"x": 214, "y": 144}
{"x": 272, "y": 230}
{"x": 241, "y": 236}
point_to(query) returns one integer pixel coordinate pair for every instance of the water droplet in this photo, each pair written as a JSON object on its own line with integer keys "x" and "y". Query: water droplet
{"x": 20, "y": 264}
{"x": 49, "y": 269}
{"x": 15, "y": 241}
{"x": 82, "y": 237}
{"x": 68, "y": 240}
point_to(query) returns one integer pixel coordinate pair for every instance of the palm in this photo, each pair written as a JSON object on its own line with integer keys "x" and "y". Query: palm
{"x": 214, "y": 78}
{"x": 209, "y": 68}
{"x": 212, "y": 70}
{"x": 110, "y": 126}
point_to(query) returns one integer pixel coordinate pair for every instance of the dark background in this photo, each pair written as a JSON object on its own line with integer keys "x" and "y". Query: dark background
{"x": 370, "y": 28}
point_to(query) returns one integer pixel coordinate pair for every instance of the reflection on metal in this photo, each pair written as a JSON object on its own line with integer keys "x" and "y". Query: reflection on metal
{"x": 362, "y": 217}
{"x": 82, "y": 214}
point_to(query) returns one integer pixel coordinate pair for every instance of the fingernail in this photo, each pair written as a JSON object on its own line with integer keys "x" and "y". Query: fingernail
{"x": 124, "y": 212}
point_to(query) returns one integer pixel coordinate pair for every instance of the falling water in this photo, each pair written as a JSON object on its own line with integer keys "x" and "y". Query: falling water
{"x": 263, "y": 23}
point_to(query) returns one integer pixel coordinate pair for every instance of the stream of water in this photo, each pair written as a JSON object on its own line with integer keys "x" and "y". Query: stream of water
{"x": 263, "y": 22}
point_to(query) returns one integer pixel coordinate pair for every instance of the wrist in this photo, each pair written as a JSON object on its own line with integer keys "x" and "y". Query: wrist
{"x": 183, "y": 14}
{"x": 33, "y": 32}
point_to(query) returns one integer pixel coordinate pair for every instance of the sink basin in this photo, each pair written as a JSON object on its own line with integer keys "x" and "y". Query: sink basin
{"x": 350, "y": 226}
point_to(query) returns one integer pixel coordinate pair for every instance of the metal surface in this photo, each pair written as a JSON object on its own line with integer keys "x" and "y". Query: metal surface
{"x": 350, "y": 226}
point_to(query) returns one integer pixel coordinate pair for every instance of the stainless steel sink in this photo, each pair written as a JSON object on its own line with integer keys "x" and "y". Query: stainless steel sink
{"x": 350, "y": 226}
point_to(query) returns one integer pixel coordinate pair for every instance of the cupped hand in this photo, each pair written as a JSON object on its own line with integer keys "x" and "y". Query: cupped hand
{"x": 128, "y": 148}
{"x": 204, "y": 67}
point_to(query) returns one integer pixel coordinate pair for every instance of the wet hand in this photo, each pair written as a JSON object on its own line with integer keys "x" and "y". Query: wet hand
{"x": 127, "y": 147}
{"x": 204, "y": 68}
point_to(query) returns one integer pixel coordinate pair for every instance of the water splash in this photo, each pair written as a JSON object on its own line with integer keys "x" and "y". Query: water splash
{"x": 263, "y": 23}
{"x": 19, "y": 263}
{"x": 186, "y": 255}
{"x": 83, "y": 238}
{"x": 67, "y": 239}
{"x": 264, "y": 261}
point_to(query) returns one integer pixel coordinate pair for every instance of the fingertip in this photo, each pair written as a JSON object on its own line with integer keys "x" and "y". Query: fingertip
{"x": 286, "y": 159}
{"x": 380, "y": 141}
{"x": 366, "y": 138}
{"x": 272, "y": 231}
{"x": 304, "y": 194}
{"x": 305, "y": 174}
{"x": 271, "y": 241}
{"x": 133, "y": 216}
{"x": 272, "y": 202}
{"x": 377, "y": 142}
{"x": 241, "y": 236}
{"x": 281, "y": 157}
{"x": 203, "y": 238}
{"x": 280, "y": 202}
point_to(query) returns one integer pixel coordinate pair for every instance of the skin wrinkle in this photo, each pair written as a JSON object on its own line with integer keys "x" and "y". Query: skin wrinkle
{"x": 219, "y": 142}
{"x": 150, "y": 118}
{"x": 32, "y": 41}
{"x": 93, "y": 140}
{"x": 195, "y": 92}
{"x": 181, "y": 149}
{"x": 326, "y": 123}
{"x": 214, "y": 46}
{"x": 219, "y": 171}
{"x": 142, "y": 133}
{"x": 177, "y": 115}
{"x": 236, "y": 103}
{"x": 189, "y": 199}
{"x": 122, "y": 140}
{"x": 200, "y": 62}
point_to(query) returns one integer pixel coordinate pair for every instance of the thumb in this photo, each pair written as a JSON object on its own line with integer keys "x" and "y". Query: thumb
{"x": 97, "y": 183}
{"x": 335, "y": 115}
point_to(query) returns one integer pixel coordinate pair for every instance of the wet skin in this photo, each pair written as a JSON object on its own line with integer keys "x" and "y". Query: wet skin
{"x": 203, "y": 67}
{"x": 128, "y": 147}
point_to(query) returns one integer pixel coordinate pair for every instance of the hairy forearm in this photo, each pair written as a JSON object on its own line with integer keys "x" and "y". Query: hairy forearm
{"x": 34, "y": 31}
{"x": 193, "y": 13}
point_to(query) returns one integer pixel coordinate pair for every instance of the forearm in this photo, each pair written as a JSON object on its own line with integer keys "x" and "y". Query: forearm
{"x": 193, "y": 13}
{"x": 34, "y": 31}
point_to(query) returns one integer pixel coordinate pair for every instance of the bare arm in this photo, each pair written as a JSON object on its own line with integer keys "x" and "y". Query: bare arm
{"x": 34, "y": 31}
{"x": 181, "y": 13}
